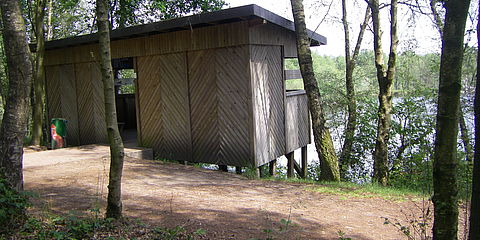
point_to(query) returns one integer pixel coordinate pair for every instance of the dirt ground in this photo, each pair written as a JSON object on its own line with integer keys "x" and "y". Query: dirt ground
{"x": 226, "y": 205}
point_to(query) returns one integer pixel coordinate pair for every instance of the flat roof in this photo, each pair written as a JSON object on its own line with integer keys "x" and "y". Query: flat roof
{"x": 228, "y": 15}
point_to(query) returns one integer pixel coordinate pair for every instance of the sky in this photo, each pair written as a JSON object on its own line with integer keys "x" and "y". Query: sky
{"x": 418, "y": 34}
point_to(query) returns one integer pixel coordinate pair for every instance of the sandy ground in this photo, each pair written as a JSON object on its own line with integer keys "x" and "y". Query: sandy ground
{"x": 226, "y": 205}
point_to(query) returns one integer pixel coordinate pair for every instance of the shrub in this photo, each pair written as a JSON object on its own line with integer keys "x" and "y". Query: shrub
{"x": 12, "y": 208}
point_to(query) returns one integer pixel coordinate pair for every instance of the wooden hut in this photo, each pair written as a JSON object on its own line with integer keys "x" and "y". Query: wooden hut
{"x": 209, "y": 88}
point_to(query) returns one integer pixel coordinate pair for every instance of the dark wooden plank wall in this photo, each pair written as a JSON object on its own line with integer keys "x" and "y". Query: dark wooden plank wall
{"x": 219, "y": 103}
{"x": 268, "y": 102}
{"x": 297, "y": 121}
{"x": 164, "y": 105}
{"x": 223, "y": 35}
{"x": 62, "y": 98}
{"x": 270, "y": 34}
{"x": 90, "y": 100}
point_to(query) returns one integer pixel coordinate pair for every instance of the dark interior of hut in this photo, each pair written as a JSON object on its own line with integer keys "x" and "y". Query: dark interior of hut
{"x": 125, "y": 77}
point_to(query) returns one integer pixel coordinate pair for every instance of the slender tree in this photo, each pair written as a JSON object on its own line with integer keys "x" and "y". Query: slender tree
{"x": 385, "y": 77}
{"x": 445, "y": 157}
{"x": 475, "y": 201}
{"x": 39, "y": 81}
{"x": 323, "y": 141}
{"x": 464, "y": 132}
{"x": 15, "y": 117}
{"x": 350, "y": 62}
{"x": 114, "y": 201}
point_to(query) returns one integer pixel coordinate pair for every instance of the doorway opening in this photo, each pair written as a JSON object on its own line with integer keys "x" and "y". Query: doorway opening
{"x": 125, "y": 77}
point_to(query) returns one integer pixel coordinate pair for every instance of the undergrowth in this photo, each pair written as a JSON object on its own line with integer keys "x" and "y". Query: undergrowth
{"x": 78, "y": 226}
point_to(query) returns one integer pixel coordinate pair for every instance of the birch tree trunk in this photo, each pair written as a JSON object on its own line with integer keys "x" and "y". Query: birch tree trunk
{"x": 49, "y": 20}
{"x": 445, "y": 196}
{"x": 323, "y": 141}
{"x": 385, "y": 77}
{"x": 39, "y": 81}
{"x": 114, "y": 201}
{"x": 15, "y": 117}
{"x": 350, "y": 60}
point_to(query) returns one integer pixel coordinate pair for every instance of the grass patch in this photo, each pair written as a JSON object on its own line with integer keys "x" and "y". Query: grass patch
{"x": 294, "y": 84}
{"x": 348, "y": 190}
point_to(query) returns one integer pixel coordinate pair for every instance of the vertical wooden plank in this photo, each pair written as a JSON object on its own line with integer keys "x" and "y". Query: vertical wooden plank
{"x": 304, "y": 166}
{"x": 273, "y": 167}
{"x": 290, "y": 164}
{"x": 137, "y": 105}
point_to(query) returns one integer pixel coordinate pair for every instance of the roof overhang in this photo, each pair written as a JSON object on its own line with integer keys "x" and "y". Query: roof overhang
{"x": 242, "y": 13}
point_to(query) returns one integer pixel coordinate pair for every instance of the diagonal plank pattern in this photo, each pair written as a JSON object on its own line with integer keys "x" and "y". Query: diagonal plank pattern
{"x": 62, "y": 98}
{"x": 163, "y": 101}
{"x": 91, "y": 104}
{"x": 218, "y": 86}
{"x": 297, "y": 122}
{"x": 268, "y": 108}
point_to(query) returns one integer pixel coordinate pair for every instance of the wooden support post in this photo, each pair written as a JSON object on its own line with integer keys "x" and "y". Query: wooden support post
{"x": 260, "y": 172}
{"x": 257, "y": 172}
{"x": 290, "y": 164}
{"x": 273, "y": 167}
{"x": 304, "y": 172}
{"x": 297, "y": 167}
{"x": 223, "y": 168}
{"x": 238, "y": 170}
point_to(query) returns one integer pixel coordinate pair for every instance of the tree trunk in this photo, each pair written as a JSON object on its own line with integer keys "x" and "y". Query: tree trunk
{"x": 15, "y": 117}
{"x": 465, "y": 136}
{"x": 39, "y": 81}
{"x": 323, "y": 141}
{"x": 445, "y": 157}
{"x": 350, "y": 60}
{"x": 114, "y": 201}
{"x": 385, "y": 77}
{"x": 49, "y": 21}
{"x": 475, "y": 201}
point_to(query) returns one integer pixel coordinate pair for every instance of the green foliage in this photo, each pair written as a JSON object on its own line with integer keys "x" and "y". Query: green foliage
{"x": 416, "y": 227}
{"x": 177, "y": 232}
{"x": 91, "y": 226}
{"x": 282, "y": 230}
{"x": 341, "y": 236}
{"x": 133, "y": 12}
{"x": 13, "y": 207}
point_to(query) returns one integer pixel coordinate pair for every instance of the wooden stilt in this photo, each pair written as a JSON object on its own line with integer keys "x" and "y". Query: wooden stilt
{"x": 273, "y": 167}
{"x": 257, "y": 172}
{"x": 260, "y": 172}
{"x": 290, "y": 164}
{"x": 304, "y": 166}
{"x": 223, "y": 168}
{"x": 238, "y": 170}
